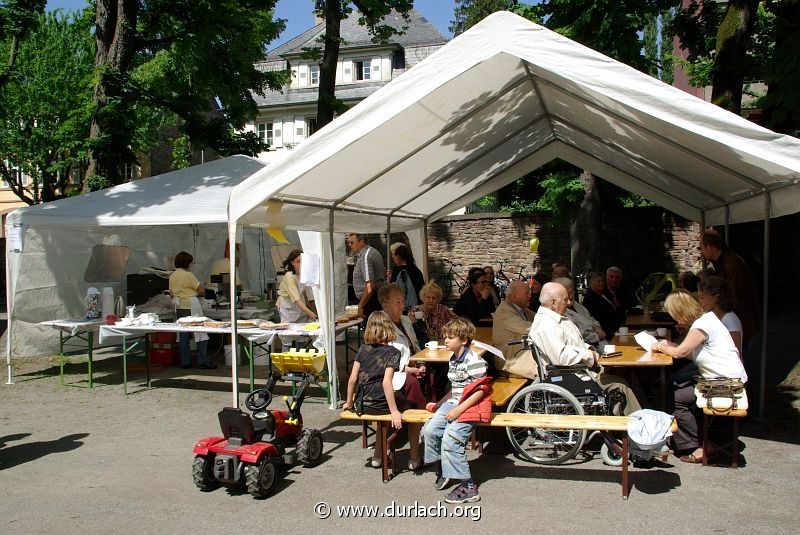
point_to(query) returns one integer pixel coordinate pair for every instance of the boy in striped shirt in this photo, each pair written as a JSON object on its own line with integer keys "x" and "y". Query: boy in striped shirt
{"x": 445, "y": 436}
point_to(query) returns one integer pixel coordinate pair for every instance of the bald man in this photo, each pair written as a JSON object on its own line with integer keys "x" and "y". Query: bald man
{"x": 512, "y": 320}
{"x": 561, "y": 343}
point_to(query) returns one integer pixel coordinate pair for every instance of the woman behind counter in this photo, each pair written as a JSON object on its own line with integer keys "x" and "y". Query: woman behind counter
{"x": 291, "y": 297}
{"x": 184, "y": 286}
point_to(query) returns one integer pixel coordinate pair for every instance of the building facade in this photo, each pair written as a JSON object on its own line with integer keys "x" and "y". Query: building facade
{"x": 288, "y": 117}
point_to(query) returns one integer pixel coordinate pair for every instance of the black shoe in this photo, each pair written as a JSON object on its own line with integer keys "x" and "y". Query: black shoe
{"x": 186, "y": 366}
{"x": 443, "y": 482}
{"x": 208, "y": 366}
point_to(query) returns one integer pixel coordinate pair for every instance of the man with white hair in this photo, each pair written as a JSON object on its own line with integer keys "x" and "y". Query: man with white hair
{"x": 512, "y": 320}
{"x": 590, "y": 328}
{"x": 561, "y": 343}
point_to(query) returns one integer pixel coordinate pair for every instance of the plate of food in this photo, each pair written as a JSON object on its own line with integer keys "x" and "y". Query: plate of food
{"x": 192, "y": 321}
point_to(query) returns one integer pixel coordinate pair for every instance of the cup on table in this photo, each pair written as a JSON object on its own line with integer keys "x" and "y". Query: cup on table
{"x": 609, "y": 348}
{"x": 433, "y": 345}
{"x": 623, "y": 330}
{"x": 419, "y": 314}
{"x": 661, "y": 331}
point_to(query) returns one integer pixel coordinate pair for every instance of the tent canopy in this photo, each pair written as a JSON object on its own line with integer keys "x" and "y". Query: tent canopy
{"x": 194, "y": 195}
{"x": 501, "y": 100}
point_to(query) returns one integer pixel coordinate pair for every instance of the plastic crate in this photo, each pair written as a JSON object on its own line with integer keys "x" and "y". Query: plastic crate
{"x": 300, "y": 360}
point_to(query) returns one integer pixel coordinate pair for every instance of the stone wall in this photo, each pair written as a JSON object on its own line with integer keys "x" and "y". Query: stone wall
{"x": 639, "y": 240}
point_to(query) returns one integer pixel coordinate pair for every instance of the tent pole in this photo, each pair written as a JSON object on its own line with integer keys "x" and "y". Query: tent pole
{"x": 425, "y": 248}
{"x": 388, "y": 243}
{"x": 333, "y": 372}
{"x": 702, "y": 230}
{"x": 762, "y": 380}
{"x": 234, "y": 330}
{"x": 10, "y": 379}
{"x": 727, "y": 223}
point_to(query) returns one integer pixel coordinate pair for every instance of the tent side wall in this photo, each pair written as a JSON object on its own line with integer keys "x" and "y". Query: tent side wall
{"x": 46, "y": 280}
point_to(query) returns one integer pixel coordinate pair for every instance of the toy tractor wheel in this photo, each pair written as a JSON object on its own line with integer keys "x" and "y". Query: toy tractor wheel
{"x": 261, "y": 477}
{"x": 309, "y": 447}
{"x": 202, "y": 473}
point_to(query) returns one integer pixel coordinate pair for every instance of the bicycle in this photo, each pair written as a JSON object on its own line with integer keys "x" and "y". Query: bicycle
{"x": 446, "y": 279}
{"x": 501, "y": 280}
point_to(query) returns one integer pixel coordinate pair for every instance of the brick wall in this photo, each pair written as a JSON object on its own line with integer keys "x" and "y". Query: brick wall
{"x": 639, "y": 240}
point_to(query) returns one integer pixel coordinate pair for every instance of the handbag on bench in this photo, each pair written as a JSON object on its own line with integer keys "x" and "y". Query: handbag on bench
{"x": 721, "y": 394}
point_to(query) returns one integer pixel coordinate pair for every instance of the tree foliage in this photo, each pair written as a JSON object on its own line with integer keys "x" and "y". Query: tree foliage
{"x": 17, "y": 19}
{"x": 181, "y": 58}
{"x": 45, "y": 106}
{"x": 372, "y": 15}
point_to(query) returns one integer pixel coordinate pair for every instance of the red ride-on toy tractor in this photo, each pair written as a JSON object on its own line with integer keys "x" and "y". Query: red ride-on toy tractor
{"x": 253, "y": 449}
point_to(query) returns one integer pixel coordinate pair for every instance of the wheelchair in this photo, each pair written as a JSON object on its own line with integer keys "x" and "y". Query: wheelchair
{"x": 561, "y": 390}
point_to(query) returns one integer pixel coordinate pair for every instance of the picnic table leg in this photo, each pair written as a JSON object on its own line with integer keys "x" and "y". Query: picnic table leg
{"x": 250, "y": 355}
{"x": 125, "y": 364}
{"x": 89, "y": 349}
{"x": 61, "y": 355}
{"x": 625, "y": 467}
{"x": 147, "y": 357}
{"x": 383, "y": 437}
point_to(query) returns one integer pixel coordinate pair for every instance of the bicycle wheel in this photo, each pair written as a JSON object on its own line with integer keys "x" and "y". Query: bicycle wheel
{"x": 545, "y": 446}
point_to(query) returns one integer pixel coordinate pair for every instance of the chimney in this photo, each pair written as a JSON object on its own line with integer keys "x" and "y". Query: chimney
{"x": 319, "y": 17}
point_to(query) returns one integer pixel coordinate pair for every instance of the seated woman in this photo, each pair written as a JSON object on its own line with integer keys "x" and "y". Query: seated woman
{"x": 600, "y": 306}
{"x": 369, "y": 389}
{"x": 391, "y": 298}
{"x": 429, "y": 317}
{"x": 709, "y": 344}
{"x": 476, "y": 302}
{"x": 715, "y": 296}
{"x": 291, "y": 296}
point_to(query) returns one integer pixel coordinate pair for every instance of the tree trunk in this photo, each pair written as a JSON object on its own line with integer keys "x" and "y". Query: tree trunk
{"x": 584, "y": 231}
{"x": 729, "y": 64}
{"x": 781, "y": 108}
{"x": 115, "y": 36}
{"x": 326, "y": 101}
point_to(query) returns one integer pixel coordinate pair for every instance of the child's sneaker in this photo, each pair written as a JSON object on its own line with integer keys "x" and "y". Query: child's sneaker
{"x": 464, "y": 493}
{"x": 442, "y": 482}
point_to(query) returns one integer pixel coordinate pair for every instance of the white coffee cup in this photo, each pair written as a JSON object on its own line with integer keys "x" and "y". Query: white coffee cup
{"x": 419, "y": 314}
{"x": 623, "y": 330}
{"x": 609, "y": 348}
{"x": 661, "y": 331}
{"x": 432, "y": 345}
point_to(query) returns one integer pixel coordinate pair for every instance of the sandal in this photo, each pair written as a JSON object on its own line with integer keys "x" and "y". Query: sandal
{"x": 692, "y": 459}
{"x": 414, "y": 466}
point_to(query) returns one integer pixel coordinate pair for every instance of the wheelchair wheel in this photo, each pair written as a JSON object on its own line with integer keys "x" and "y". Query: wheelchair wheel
{"x": 610, "y": 456}
{"x": 545, "y": 446}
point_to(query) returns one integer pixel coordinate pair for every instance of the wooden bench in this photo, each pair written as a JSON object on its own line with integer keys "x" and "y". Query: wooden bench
{"x": 503, "y": 389}
{"x": 729, "y": 449}
{"x": 612, "y": 424}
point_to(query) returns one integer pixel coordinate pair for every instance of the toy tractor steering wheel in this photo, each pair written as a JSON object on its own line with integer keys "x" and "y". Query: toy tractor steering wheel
{"x": 258, "y": 399}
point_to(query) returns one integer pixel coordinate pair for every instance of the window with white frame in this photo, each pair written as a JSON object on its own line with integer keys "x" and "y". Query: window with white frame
{"x": 363, "y": 69}
{"x": 266, "y": 133}
{"x": 315, "y": 75}
{"x": 311, "y": 125}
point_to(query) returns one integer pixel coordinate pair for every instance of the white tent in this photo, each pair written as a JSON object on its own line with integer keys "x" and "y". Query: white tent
{"x": 154, "y": 217}
{"x": 498, "y": 101}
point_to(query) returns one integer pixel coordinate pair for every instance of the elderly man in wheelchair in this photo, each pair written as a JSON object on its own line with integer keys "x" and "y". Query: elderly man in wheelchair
{"x": 571, "y": 383}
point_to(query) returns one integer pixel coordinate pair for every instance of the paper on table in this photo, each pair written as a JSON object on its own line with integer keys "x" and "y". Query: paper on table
{"x": 491, "y": 349}
{"x": 645, "y": 340}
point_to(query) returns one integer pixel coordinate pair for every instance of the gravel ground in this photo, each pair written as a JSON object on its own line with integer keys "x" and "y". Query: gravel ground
{"x": 80, "y": 461}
